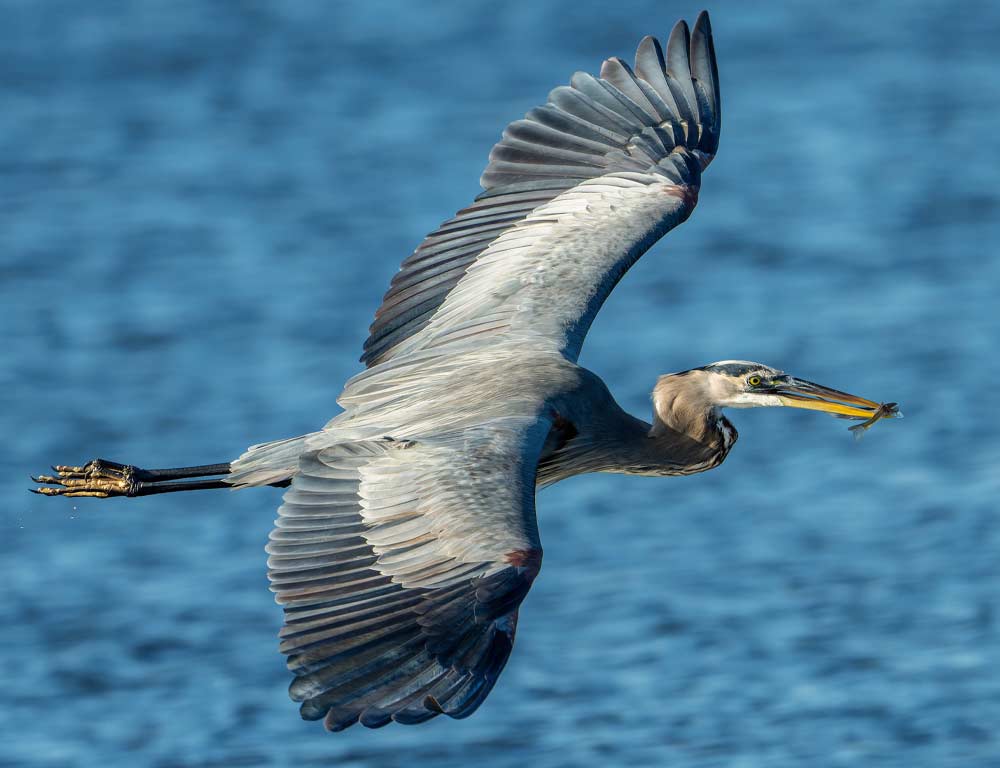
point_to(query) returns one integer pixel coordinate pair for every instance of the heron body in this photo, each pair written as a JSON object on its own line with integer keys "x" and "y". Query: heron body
{"x": 407, "y": 536}
{"x": 581, "y": 426}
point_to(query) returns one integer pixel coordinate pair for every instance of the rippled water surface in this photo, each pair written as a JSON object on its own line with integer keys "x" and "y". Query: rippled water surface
{"x": 200, "y": 206}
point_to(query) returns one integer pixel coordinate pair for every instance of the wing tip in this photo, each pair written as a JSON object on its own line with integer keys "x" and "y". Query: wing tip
{"x": 703, "y": 21}
{"x": 680, "y": 29}
{"x": 705, "y": 71}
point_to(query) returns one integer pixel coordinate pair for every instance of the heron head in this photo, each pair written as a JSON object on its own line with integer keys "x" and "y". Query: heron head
{"x": 745, "y": 384}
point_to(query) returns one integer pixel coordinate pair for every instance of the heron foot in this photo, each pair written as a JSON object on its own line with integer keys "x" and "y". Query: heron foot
{"x": 97, "y": 478}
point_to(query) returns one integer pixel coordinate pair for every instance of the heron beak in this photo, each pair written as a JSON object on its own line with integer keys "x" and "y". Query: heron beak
{"x": 798, "y": 393}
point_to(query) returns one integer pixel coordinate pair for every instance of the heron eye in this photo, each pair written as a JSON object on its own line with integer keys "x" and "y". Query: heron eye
{"x": 754, "y": 381}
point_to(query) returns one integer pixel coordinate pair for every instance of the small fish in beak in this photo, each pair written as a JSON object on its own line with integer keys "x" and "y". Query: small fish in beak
{"x": 799, "y": 393}
{"x": 884, "y": 411}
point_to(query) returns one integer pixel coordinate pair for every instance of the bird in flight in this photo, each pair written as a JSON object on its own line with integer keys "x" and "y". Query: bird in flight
{"x": 406, "y": 539}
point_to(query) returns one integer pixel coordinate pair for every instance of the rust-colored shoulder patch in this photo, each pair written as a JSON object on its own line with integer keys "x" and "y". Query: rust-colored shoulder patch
{"x": 526, "y": 558}
{"x": 687, "y": 193}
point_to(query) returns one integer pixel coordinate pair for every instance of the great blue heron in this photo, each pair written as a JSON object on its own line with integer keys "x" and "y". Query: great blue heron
{"x": 407, "y": 538}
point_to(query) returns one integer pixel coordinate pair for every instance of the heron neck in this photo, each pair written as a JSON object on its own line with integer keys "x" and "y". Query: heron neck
{"x": 681, "y": 409}
{"x": 688, "y": 426}
{"x": 632, "y": 446}
{"x": 675, "y": 447}
{"x": 699, "y": 425}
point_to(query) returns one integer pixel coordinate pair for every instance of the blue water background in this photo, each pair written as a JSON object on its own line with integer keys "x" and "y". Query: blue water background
{"x": 200, "y": 206}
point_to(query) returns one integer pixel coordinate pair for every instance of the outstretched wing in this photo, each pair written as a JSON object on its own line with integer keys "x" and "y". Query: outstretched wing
{"x": 575, "y": 193}
{"x": 401, "y": 566}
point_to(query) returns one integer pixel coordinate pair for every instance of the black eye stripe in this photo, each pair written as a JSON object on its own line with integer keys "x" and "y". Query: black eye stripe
{"x": 732, "y": 369}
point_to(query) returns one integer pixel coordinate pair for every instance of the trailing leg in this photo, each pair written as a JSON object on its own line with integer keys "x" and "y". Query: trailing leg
{"x": 102, "y": 479}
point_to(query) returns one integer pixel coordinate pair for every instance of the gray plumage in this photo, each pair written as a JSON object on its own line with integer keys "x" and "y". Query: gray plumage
{"x": 620, "y": 131}
{"x": 407, "y": 538}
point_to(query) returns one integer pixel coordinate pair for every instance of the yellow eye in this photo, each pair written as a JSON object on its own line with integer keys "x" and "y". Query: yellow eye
{"x": 754, "y": 381}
